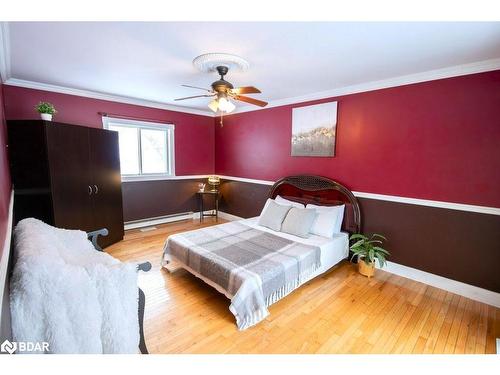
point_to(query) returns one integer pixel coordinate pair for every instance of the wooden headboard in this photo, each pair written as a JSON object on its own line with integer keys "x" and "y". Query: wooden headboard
{"x": 321, "y": 191}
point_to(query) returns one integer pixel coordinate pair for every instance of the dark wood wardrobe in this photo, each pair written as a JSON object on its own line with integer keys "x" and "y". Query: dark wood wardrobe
{"x": 66, "y": 175}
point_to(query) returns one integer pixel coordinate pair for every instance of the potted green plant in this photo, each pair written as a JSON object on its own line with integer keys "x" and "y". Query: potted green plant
{"x": 368, "y": 249}
{"x": 46, "y": 110}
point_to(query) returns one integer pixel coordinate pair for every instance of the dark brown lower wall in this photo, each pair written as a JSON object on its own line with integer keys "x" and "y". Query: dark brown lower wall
{"x": 147, "y": 199}
{"x": 460, "y": 245}
{"x": 242, "y": 198}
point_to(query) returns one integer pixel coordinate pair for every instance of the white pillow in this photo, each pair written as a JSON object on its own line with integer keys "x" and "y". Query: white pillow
{"x": 272, "y": 215}
{"x": 285, "y": 202}
{"x": 298, "y": 221}
{"x": 265, "y": 205}
{"x": 328, "y": 220}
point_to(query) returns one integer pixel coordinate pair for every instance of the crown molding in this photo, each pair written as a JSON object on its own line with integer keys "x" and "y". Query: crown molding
{"x": 102, "y": 96}
{"x": 431, "y": 75}
{"x": 4, "y": 52}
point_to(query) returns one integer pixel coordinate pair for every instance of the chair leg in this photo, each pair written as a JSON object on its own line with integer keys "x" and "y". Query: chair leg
{"x": 142, "y": 304}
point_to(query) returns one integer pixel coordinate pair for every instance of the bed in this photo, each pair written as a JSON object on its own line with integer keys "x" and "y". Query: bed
{"x": 255, "y": 266}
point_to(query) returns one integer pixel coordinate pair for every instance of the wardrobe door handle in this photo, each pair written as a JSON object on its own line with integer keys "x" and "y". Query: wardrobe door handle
{"x": 96, "y": 189}
{"x": 90, "y": 190}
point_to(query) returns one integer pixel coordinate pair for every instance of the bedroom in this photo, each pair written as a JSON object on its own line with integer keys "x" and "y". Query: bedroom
{"x": 318, "y": 188}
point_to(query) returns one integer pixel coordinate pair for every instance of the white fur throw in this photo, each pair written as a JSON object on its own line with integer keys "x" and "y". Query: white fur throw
{"x": 66, "y": 293}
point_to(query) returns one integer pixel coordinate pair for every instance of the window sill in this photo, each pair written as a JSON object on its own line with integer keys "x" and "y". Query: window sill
{"x": 161, "y": 178}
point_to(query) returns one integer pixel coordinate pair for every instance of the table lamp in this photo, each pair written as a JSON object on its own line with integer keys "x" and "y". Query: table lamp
{"x": 214, "y": 182}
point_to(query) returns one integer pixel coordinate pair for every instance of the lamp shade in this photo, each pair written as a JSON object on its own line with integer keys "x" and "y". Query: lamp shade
{"x": 213, "y": 105}
{"x": 223, "y": 103}
{"x": 214, "y": 180}
{"x": 230, "y": 106}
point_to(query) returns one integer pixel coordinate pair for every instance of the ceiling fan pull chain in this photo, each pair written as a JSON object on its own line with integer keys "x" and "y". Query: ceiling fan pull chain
{"x": 222, "y": 119}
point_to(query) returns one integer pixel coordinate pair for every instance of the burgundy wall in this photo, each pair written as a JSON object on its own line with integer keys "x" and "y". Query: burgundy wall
{"x": 436, "y": 140}
{"x": 194, "y": 134}
{"x": 5, "y": 185}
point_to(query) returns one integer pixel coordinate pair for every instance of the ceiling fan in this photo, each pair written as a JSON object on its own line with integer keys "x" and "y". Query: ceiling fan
{"x": 223, "y": 91}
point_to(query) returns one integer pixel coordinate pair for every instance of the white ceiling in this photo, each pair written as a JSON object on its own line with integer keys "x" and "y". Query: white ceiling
{"x": 151, "y": 60}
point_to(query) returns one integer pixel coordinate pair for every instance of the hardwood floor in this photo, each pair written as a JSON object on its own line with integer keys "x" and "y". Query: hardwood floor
{"x": 339, "y": 312}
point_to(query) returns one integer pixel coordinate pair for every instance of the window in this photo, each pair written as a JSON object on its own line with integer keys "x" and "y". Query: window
{"x": 146, "y": 148}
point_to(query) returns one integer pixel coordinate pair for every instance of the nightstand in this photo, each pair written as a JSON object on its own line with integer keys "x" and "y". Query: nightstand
{"x": 216, "y": 195}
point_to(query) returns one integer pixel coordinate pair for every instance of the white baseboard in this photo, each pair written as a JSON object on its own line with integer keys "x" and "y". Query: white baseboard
{"x": 171, "y": 218}
{"x": 473, "y": 292}
{"x": 157, "y": 220}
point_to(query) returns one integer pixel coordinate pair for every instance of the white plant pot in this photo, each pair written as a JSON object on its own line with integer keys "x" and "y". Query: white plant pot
{"x": 46, "y": 116}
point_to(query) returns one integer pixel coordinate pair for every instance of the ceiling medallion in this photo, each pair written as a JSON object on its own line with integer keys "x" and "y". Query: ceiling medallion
{"x": 209, "y": 62}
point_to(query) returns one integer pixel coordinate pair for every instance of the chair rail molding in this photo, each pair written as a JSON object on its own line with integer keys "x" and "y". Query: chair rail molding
{"x": 393, "y": 198}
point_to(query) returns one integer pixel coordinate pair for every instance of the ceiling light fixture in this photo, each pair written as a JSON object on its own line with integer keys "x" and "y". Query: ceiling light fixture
{"x": 222, "y": 104}
{"x": 221, "y": 92}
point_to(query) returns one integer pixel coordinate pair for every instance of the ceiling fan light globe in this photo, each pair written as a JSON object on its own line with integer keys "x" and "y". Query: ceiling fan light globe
{"x": 214, "y": 105}
{"x": 223, "y": 104}
{"x": 230, "y": 107}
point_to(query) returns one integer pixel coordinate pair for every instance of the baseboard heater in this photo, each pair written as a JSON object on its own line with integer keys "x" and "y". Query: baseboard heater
{"x": 158, "y": 220}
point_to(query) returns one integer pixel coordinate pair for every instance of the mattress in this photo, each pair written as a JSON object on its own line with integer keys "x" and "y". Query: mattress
{"x": 333, "y": 250}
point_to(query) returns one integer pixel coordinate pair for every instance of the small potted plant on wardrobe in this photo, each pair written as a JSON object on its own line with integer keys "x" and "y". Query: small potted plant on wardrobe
{"x": 368, "y": 249}
{"x": 46, "y": 110}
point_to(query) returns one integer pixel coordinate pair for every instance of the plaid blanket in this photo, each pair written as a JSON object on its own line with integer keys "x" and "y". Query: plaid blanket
{"x": 254, "y": 267}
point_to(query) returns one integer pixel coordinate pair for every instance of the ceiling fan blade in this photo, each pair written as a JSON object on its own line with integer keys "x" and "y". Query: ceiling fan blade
{"x": 196, "y": 87}
{"x": 245, "y": 90}
{"x": 253, "y": 101}
{"x": 196, "y": 96}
